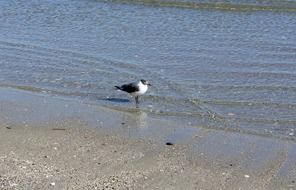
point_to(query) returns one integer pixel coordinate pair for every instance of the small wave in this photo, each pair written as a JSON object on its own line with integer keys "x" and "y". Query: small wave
{"x": 25, "y": 88}
{"x": 48, "y": 91}
{"x": 205, "y": 120}
{"x": 58, "y": 54}
{"x": 226, "y": 6}
{"x": 248, "y": 103}
{"x": 251, "y": 87}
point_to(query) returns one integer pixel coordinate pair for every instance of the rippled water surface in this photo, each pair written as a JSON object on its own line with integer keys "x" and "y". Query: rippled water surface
{"x": 221, "y": 64}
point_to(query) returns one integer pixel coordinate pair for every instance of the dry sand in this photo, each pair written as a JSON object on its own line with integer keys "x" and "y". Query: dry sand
{"x": 68, "y": 152}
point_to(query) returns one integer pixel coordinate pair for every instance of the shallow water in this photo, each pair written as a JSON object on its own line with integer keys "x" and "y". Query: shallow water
{"x": 228, "y": 65}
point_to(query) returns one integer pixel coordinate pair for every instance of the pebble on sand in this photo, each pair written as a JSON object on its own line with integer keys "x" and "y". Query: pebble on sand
{"x": 169, "y": 143}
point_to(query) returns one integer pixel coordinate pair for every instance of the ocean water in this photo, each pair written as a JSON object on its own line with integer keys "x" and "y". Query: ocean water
{"x": 222, "y": 64}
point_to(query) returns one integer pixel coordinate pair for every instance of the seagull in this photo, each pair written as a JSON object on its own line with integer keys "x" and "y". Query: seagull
{"x": 135, "y": 89}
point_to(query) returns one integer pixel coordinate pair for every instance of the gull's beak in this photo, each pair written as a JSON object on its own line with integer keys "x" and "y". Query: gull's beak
{"x": 149, "y": 84}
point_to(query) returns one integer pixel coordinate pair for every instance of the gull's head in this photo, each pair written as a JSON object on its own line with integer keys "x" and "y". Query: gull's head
{"x": 144, "y": 82}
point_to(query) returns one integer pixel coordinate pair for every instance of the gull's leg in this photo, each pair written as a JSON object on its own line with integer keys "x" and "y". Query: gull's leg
{"x": 137, "y": 99}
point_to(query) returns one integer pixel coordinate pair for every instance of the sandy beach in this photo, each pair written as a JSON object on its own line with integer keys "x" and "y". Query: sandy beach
{"x": 46, "y": 147}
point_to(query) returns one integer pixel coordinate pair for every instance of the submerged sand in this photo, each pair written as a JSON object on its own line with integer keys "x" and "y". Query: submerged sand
{"x": 60, "y": 151}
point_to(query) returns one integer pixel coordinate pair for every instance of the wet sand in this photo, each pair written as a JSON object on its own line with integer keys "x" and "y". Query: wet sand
{"x": 54, "y": 143}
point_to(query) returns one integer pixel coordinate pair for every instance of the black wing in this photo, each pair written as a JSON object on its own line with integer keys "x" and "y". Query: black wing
{"x": 132, "y": 87}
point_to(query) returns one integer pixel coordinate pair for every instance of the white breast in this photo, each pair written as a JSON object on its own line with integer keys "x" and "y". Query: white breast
{"x": 142, "y": 89}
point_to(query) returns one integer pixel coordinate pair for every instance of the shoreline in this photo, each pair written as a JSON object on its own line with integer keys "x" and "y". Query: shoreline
{"x": 51, "y": 143}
